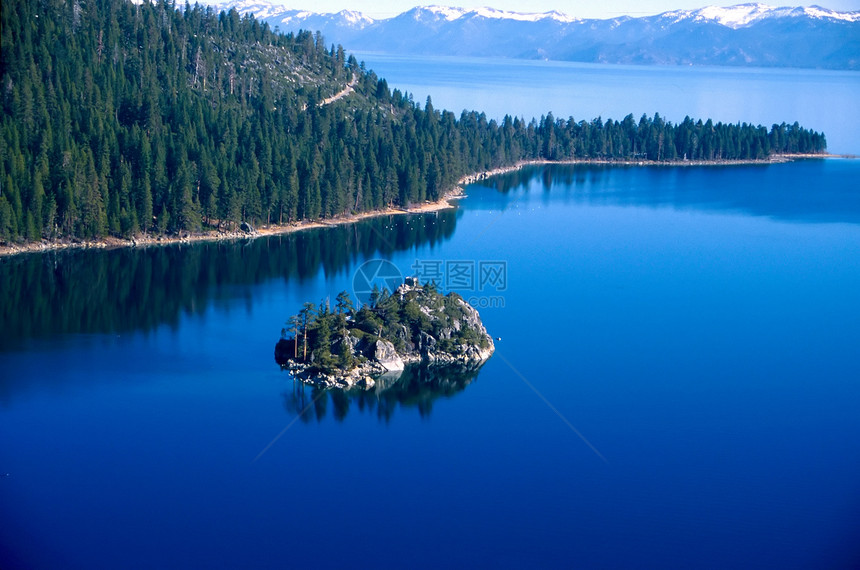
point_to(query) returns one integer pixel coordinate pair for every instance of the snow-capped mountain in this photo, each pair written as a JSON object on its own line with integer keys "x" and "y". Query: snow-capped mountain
{"x": 345, "y": 18}
{"x": 746, "y": 34}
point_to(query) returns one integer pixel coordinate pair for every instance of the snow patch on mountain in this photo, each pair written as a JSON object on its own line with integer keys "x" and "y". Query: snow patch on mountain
{"x": 261, "y": 10}
{"x": 737, "y": 16}
{"x": 447, "y": 13}
{"x": 492, "y": 13}
{"x": 744, "y": 15}
{"x": 819, "y": 12}
{"x": 355, "y": 18}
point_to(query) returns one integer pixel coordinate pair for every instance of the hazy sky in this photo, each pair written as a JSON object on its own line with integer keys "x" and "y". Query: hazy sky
{"x": 577, "y": 8}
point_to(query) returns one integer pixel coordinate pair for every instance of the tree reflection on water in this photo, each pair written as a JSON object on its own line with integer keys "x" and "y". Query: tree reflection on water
{"x": 418, "y": 387}
{"x": 139, "y": 289}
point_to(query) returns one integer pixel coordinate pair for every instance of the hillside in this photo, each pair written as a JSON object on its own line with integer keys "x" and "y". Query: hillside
{"x": 124, "y": 119}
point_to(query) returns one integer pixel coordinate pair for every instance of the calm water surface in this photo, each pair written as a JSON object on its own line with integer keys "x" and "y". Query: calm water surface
{"x": 820, "y": 100}
{"x": 697, "y": 326}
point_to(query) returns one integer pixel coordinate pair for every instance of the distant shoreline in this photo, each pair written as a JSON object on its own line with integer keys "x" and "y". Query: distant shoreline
{"x": 774, "y": 159}
{"x": 443, "y": 203}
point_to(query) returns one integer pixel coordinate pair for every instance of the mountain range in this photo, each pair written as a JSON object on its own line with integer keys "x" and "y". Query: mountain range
{"x": 744, "y": 35}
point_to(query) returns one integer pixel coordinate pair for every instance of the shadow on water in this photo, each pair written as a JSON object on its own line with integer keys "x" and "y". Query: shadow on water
{"x": 418, "y": 387}
{"x": 125, "y": 290}
{"x": 787, "y": 192}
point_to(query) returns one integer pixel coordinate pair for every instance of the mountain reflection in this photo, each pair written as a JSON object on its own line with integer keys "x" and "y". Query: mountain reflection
{"x": 126, "y": 289}
{"x": 781, "y": 191}
{"x": 418, "y": 387}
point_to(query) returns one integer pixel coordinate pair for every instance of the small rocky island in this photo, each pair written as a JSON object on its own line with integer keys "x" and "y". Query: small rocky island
{"x": 344, "y": 347}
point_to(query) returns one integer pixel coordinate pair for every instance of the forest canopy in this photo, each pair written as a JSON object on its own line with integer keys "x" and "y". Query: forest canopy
{"x": 124, "y": 119}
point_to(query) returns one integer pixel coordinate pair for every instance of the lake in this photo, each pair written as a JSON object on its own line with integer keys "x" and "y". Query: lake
{"x": 821, "y": 100}
{"x": 676, "y": 386}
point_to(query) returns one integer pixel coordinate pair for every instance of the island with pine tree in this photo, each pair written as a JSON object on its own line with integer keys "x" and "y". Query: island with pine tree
{"x": 348, "y": 347}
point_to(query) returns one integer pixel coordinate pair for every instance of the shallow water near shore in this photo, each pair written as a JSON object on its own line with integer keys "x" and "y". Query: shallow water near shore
{"x": 697, "y": 327}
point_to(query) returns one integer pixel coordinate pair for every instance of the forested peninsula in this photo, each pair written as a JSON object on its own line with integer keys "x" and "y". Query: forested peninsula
{"x": 134, "y": 120}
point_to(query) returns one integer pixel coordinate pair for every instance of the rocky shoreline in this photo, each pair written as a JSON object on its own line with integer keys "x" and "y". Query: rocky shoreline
{"x": 224, "y": 235}
{"x": 374, "y": 373}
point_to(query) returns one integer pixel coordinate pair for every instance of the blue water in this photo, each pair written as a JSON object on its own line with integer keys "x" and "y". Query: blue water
{"x": 820, "y": 100}
{"x": 676, "y": 386}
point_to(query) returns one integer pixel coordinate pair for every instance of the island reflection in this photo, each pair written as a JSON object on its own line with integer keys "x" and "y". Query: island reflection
{"x": 416, "y": 388}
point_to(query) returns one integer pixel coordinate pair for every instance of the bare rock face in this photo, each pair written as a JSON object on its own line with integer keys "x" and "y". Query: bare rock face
{"x": 387, "y": 356}
{"x": 426, "y": 343}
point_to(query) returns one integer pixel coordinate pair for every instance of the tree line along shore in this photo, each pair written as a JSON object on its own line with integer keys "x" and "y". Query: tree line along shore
{"x": 126, "y": 123}
{"x": 444, "y": 203}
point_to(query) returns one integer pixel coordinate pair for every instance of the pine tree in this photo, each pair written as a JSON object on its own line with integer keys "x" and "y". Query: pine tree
{"x": 95, "y": 91}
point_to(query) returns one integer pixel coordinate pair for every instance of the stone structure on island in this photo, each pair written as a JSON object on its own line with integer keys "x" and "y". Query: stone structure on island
{"x": 416, "y": 324}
